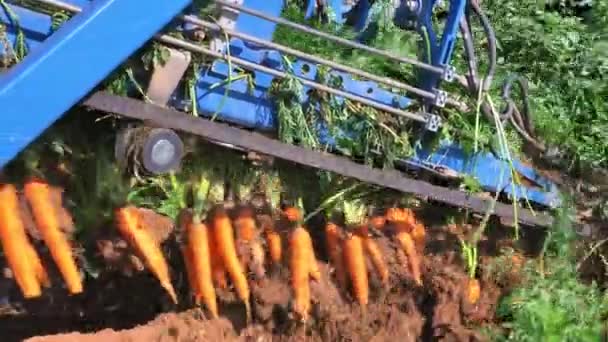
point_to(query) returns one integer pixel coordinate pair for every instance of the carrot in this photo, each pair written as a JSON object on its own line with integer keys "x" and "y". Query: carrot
{"x": 13, "y": 239}
{"x": 333, "y": 244}
{"x": 373, "y": 251}
{"x": 299, "y": 265}
{"x": 224, "y": 237}
{"x": 292, "y": 214}
{"x": 218, "y": 271}
{"x": 183, "y": 218}
{"x": 187, "y": 255}
{"x": 245, "y": 225}
{"x": 273, "y": 239}
{"x": 419, "y": 234}
{"x": 258, "y": 259}
{"x": 130, "y": 226}
{"x": 408, "y": 246}
{"x": 38, "y": 195}
{"x": 473, "y": 290}
{"x": 399, "y": 215}
{"x": 378, "y": 222}
{"x": 198, "y": 245}
{"x": 355, "y": 264}
{"x": 41, "y": 273}
{"x": 315, "y": 273}
{"x": 246, "y": 232}
{"x": 275, "y": 247}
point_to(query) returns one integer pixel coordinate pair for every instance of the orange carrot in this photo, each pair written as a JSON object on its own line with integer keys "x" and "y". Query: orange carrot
{"x": 218, "y": 271}
{"x": 258, "y": 259}
{"x": 41, "y": 273}
{"x": 273, "y": 239}
{"x": 355, "y": 264}
{"x": 292, "y": 214}
{"x": 129, "y": 224}
{"x": 300, "y": 271}
{"x": 246, "y": 232}
{"x": 13, "y": 239}
{"x": 373, "y": 251}
{"x": 473, "y": 290}
{"x": 47, "y": 221}
{"x": 187, "y": 255}
{"x": 408, "y": 246}
{"x": 399, "y": 215}
{"x": 419, "y": 234}
{"x": 245, "y": 225}
{"x": 378, "y": 222}
{"x": 184, "y": 217}
{"x": 224, "y": 237}
{"x": 315, "y": 273}
{"x": 198, "y": 244}
{"x": 333, "y": 244}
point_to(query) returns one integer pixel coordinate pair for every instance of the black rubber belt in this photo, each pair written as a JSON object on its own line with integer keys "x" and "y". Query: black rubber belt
{"x": 219, "y": 132}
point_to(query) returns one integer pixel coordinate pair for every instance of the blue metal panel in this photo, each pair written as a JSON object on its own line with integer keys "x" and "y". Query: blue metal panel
{"x": 487, "y": 168}
{"x": 89, "y": 47}
{"x": 235, "y": 104}
{"x": 35, "y": 26}
{"x": 255, "y": 26}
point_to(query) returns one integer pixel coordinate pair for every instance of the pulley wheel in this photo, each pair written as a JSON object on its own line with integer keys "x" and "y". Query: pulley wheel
{"x": 162, "y": 151}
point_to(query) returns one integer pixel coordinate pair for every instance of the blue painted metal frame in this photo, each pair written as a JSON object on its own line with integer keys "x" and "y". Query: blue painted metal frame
{"x": 234, "y": 103}
{"x": 92, "y": 44}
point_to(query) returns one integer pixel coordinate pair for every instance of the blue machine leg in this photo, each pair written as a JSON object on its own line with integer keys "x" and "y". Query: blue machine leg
{"x": 71, "y": 62}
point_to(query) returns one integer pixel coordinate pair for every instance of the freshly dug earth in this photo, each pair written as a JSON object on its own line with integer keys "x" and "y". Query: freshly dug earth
{"x": 118, "y": 307}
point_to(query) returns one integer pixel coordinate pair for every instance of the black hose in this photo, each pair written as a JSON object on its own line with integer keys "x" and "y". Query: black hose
{"x": 469, "y": 50}
{"x": 523, "y": 85}
{"x": 489, "y": 31}
{"x": 520, "y": 120}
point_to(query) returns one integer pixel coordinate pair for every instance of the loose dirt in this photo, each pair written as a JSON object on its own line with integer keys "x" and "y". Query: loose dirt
{"x": 134, "y": 308}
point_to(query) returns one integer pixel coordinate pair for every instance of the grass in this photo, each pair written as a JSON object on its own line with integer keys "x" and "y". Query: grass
{"x": 553, "y": 304}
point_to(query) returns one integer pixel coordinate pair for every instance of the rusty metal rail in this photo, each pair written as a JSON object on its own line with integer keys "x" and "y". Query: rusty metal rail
{"x": 221, "y": 133}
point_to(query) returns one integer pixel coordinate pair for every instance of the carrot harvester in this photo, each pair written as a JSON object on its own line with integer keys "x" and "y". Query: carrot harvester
{"x": 223, "y": 68}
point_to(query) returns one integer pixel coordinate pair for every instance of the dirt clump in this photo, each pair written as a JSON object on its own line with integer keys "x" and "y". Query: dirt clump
{"x": 168, "y": 327}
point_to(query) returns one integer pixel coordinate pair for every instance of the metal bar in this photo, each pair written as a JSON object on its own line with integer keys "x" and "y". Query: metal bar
{"x": 200, "y": 49}
{"x": 222, "y": 133}
{"x": 333, "y": 38}
{"x": 61, "y": 5}
{"x": 92, "y": 44}
{"x": 314, "y": 59}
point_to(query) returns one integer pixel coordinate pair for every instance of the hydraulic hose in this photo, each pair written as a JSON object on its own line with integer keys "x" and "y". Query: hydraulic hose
{"x": 521, "y": 120}
{"x": 491, "y": 49}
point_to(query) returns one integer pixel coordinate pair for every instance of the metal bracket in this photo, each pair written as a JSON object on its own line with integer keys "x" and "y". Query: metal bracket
{"x": 433, "y": 122}
{"x": 448, "y": 73}
{"x": 227, "y": 18}
{"x": 166, "y": 78}
{"x": 441, "y": 97}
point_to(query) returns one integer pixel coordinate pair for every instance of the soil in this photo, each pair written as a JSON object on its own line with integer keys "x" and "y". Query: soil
{"x": 127, "y": 304}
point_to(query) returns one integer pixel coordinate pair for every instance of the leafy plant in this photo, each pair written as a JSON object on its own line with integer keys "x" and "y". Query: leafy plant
{"x": 553, "y": 304}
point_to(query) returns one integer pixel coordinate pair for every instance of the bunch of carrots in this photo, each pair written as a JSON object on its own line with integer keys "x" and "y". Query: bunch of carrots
{"x": 350, "y": 246}
{"x": 50, "y": 218}
{"x": 216, "y": 244}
